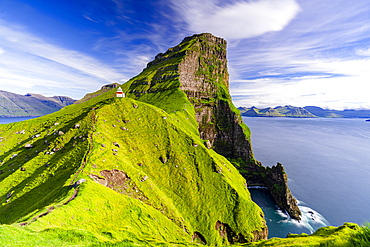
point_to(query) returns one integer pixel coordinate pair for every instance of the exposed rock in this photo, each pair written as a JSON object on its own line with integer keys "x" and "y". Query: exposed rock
{"x": 9, "y": 195}
{"x": 110, "y": 86}
{"x": 208, "y": 144}
{"x": 277, "y": 182}
{"x": 77, "y": 183}
{"x": 60, "y": 133}
{"x": 116, "y": 144}
{"x": 143, "y": 179}
{"x": 163, "y": 159}
{"x": 218, "y": 120}
{"x": 198, "y": 238}
{"x": 103, "y": 89}
{"x": 28, "y": 145}
{"x": 114, "y": 179}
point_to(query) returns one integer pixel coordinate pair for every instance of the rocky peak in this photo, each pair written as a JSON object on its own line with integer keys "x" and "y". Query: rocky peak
{"x": 198, "y": 67}
{"x": 110, "y": 86}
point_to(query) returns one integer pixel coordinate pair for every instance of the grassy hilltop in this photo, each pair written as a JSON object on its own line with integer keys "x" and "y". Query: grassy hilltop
{"x": 130, "y": 172}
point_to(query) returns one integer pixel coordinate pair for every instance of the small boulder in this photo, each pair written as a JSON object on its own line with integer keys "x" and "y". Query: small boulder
{"x": 103, "y": 145}
{"x": 116, "y": 144}
{"x": 135, "y": 106}
{"x": 9, "y": 195}
{"x": 163, "y": 159}
{"x": 79, "y": 182}
{"x": 77, "y": 126}
{"x": 28, "y": 145}
{"x": 23, "y": 169}
{"x": 208, "y": 144}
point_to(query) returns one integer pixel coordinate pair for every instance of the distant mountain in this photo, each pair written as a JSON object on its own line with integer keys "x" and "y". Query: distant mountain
{"x": 30, "y": 105}
{"x": 280, "y": 111}
{"x": 306, "y": 112}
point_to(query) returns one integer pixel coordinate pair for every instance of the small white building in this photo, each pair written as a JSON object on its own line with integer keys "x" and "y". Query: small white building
{"x": 120, "y": 93}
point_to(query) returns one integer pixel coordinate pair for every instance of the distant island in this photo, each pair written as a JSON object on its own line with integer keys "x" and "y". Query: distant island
{"x": 30, "y": 105}
{"x": 302, "y": 112}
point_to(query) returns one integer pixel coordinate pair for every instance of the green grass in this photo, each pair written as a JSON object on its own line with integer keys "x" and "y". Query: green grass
{"x": 176, "y": 186}
{"x": 190, "y": 191}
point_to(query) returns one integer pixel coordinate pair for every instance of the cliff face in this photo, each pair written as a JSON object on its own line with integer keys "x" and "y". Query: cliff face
{"x": 204, "y": 79}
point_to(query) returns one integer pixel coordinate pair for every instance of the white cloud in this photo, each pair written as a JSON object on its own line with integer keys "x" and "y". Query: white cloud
{"x": 238, "y": 20}
{"x": 1, "y": 51}
{"x": 335, "y": 92}
{"x": 363, "y": 52}
{"x": 32, "y": 63}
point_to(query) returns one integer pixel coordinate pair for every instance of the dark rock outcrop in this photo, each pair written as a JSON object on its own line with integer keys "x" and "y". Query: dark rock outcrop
{"x": 204, "y": 78}
{"x": 102, "y": 90}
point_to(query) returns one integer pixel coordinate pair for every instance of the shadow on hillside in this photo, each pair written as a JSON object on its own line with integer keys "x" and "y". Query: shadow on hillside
{"x": 53, "y": 170}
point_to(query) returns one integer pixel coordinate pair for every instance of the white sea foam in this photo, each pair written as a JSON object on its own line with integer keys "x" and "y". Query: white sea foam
{"x": 310, "y": 219}
{"x": 257, "y": 187}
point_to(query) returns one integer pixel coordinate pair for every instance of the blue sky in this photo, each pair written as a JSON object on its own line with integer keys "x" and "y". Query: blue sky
{"x": 280, "y": 52}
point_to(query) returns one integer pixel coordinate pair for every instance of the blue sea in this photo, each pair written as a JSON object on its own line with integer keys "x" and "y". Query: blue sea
{"x": 328, "y": 167}
{"x": 5, "y": 120}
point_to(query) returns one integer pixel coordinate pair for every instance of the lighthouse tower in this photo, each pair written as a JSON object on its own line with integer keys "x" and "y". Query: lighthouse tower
{"x": 119, "y": 93}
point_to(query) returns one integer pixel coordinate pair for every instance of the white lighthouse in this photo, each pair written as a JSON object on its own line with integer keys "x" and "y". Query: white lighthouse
{"x": 119, "y": 93}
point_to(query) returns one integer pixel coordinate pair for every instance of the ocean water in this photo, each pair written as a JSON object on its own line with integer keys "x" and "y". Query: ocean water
{"x": 5, "y": 120}
{"x": 328, "y": 167}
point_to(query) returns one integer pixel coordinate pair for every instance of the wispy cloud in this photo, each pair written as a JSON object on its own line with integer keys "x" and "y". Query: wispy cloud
{"x": 239, "y": 19}
{"x": 335, "y": 92}
{"x": 88, "y": 18}
{"x": 321, "y": 59}
{"x": 31, "y": 62}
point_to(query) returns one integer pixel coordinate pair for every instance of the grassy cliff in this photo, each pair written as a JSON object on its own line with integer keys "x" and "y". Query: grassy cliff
{"x": 129, "y": 172}
{"x": 175, "y": 189}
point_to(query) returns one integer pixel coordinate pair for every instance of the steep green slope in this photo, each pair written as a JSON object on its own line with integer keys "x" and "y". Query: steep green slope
{"x": 197, "y": 192}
